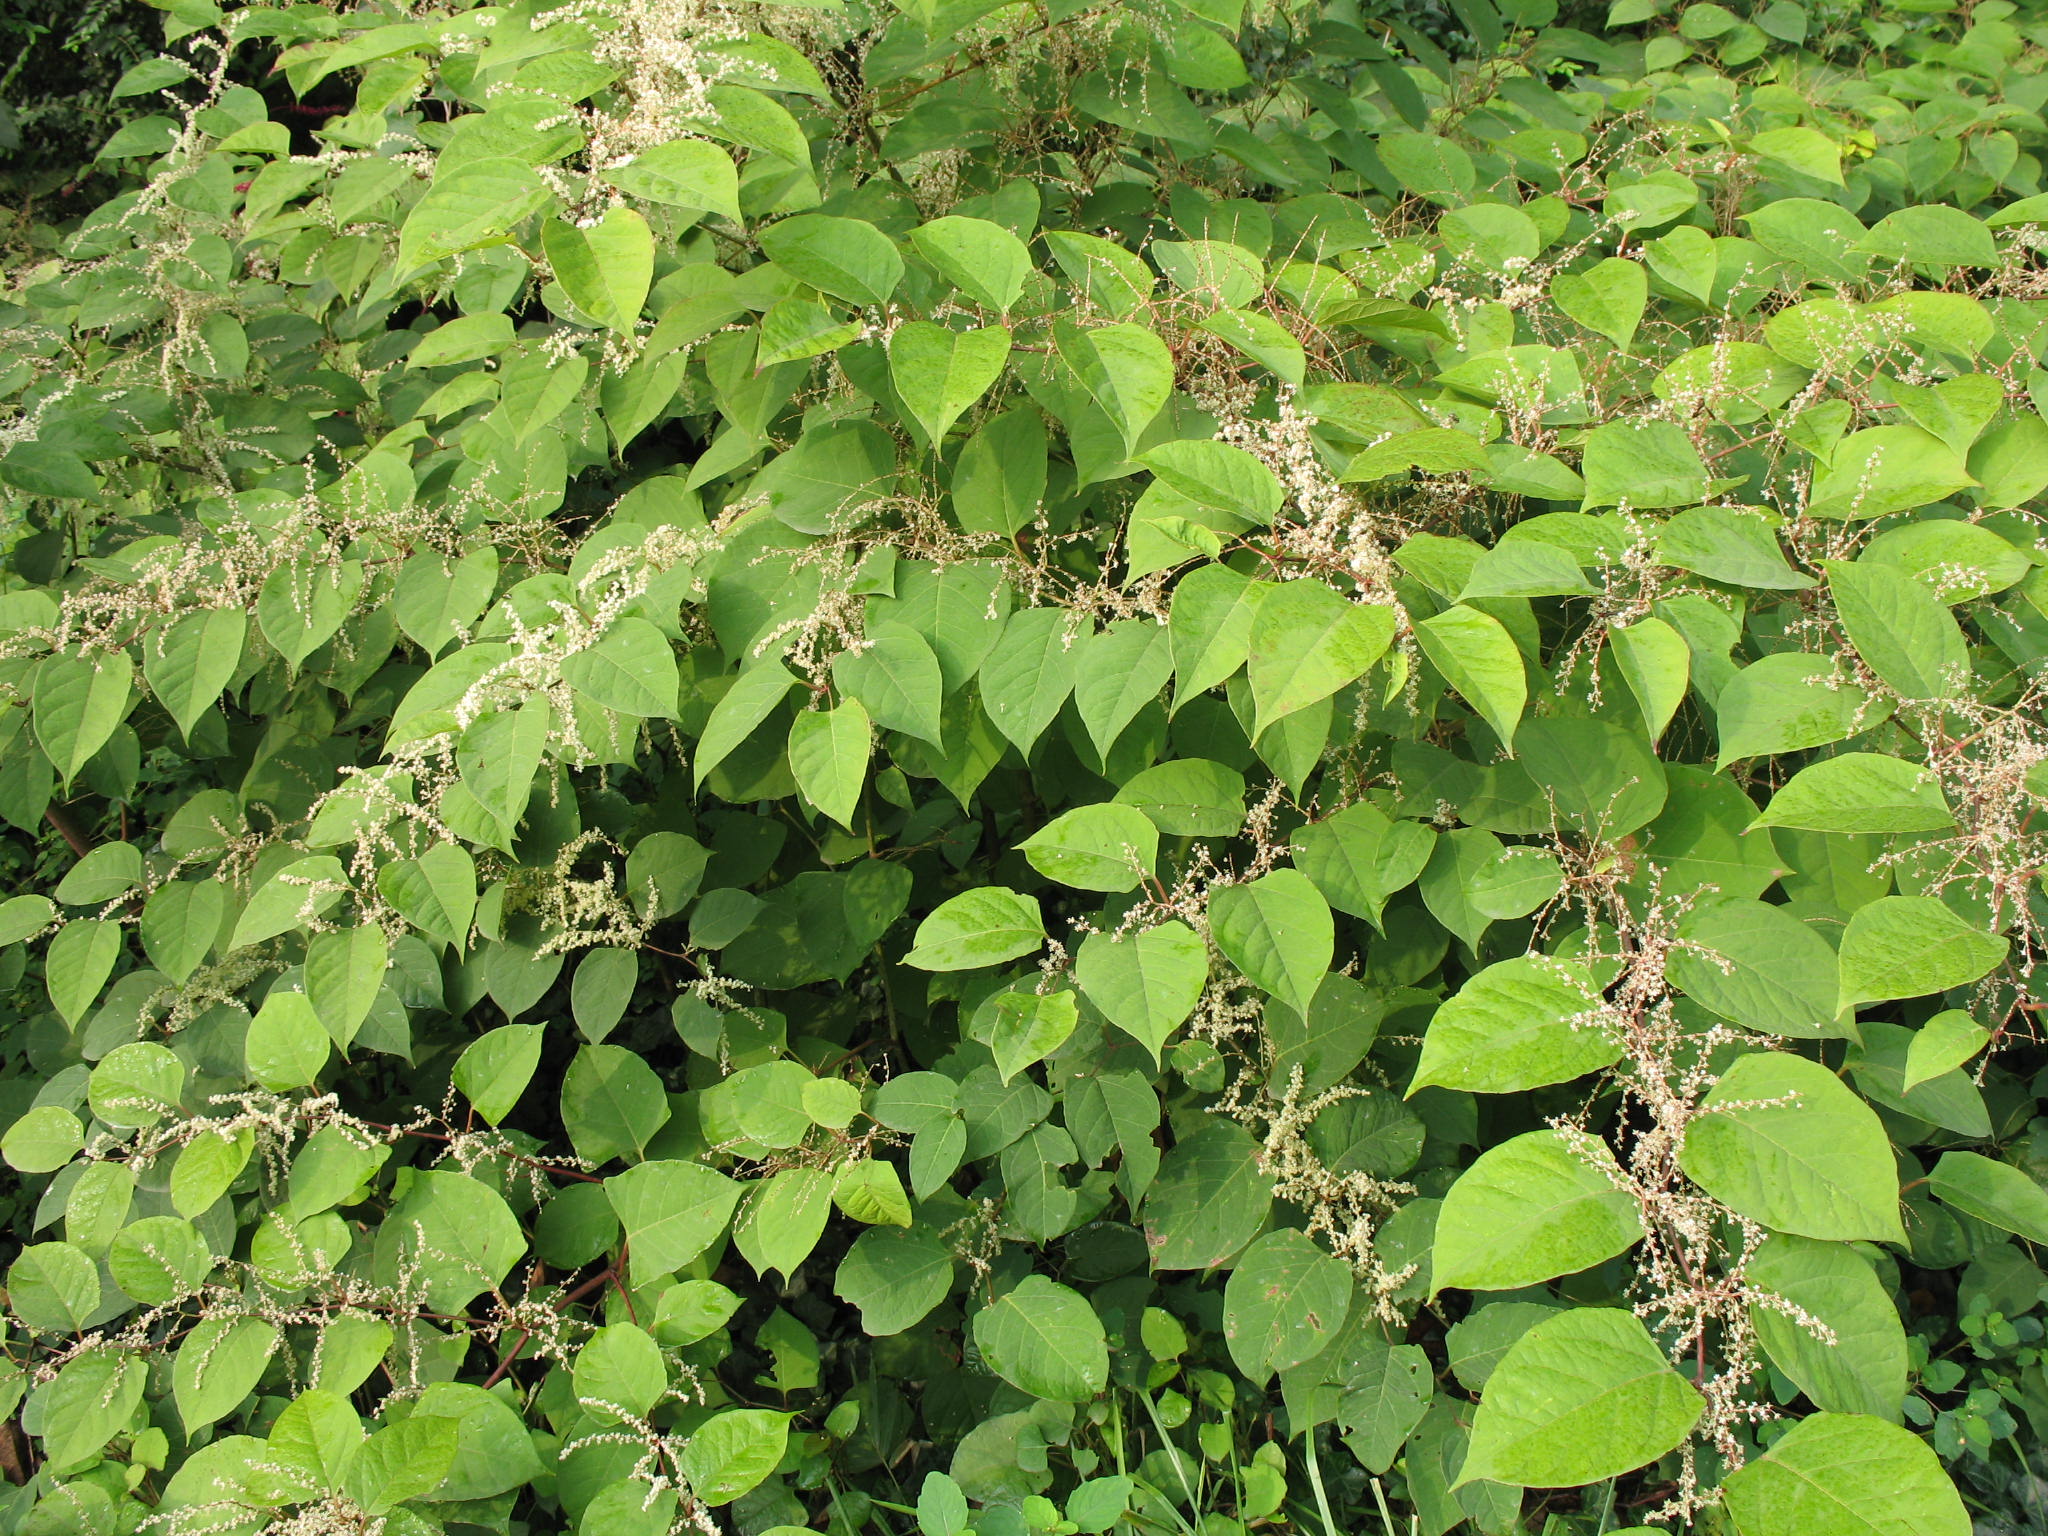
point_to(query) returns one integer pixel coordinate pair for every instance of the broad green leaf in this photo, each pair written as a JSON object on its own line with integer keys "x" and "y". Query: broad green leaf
{"x": 631, "y": 669}
{"x": 287, "y": 1045}
{"x": 43, "y": 1140}
{"x": 1656, "y": 663}
{"x": 77, "y": 964}
{"x": 453, "y": 1234}
{"x": 1306, "y": 642}
{"x": 1518, "y": 1024}
{"x": 1125, "y": 368}
{"x": 1782, "y": 1141}
{"x": 1029, "y": 674}
{"x": 1860, "y": 792}
{"x": 976, "y": 928}
{"x": 606, "y": 268}
{"x": 189, "y": 665}
{"x": 984, "y": 260}
{"x": 1909, "y": 946}
{"x": 898, "y": 680}
{"x": 1758, "y": 965}
{"x": 1944, "y": 1043}
{"x": 345, "y": 969}
{"x": 828, "y": 755}
{"x": 1641, "y": 464}
{"x": 672, "y": 1211}
{"x": 53, "y": 1287}
{"x": 847, "y": 258}
{"x": 1607, "y": 298}
{"x": 612, "y": 1104}
{"x": 1886, "y": 469}
{"x": 1146, "y": 983}
{"x": 939, "y": 373}
{"x": 1789, "y": 701}
{"x": 733, "y": 1452}
{"x": 754, "y": 695}
{"x": 1583, "y": 1396}
{"x": 1278, "y": 931}
{"x": 1208, "y": 1200}
{"x": 1286, "y": 1299}
{"x": 1862, "y": 1367}
{"x": 1479, "y": 658}
{"x": 1360, "y": 857}
{"x": 1044, "y": 1339}
{"x": 476, "y": 204}
{"x": 77, "y": 703}
{"x": 1188, "y": 797}
{"x": 1210, "y": 629}
{"x": 217, "y": 1365}
{"x": 895, "y": 1277}
{"x": 495, "y": 1068}
{"x": 1541, "y": 1205}
{"x": 684, "y": 173}
{"x": 1030, "y": 1026}
{"x": 1116, "y": 674}
{"x": 1107, "y": 847}
{"x": 1842, "y": 1474}
{"x": 1900, "y": 629}
{"x": 1993, "y": 1192}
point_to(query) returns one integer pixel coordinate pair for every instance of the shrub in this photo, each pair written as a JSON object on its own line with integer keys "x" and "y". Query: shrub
{"x": 846, "y": 767}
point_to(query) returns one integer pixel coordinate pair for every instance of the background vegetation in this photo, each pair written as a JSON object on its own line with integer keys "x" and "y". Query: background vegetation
{"x": 1144, "y": 768}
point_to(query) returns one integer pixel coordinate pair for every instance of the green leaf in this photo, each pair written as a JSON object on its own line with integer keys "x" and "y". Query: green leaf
{"x": 1278, "y": 931}
{"x": 606, "y": 268}
{"x": 870, "y": 1191}
{"x": 77, "y": 703}
{"x": 754, "y": 695}
{"x": 1944, "y": 1043}
{"x": 685, "y": 173}
{"x": 77, "y": 964}
{"x": 1126, "y": 370}
{"x": 1902, "y": 631}
{"x": 494, "y": 1069}
{"x": 1860, "y": 792}
{"x": 1030, "y": 1026}
{"x": 1479, "y": 658}
{"x": 1209, "y": 1199}
{"x": 1783, "y": 1141}
{"x": 1027, "y": 677}
{"x": 895, "y": 1276}
{"x": 1639, "y": 464}
{"x": 612, "y": 1104}
{"x": 939, "y": 373}
{"x": 847, "y": 258}
{"x": 1306, "y": 642}
{"x": 1758, "y": 965}
{"x": 1993, "y": 1192}
{"x": 345, "y": 969}
{"x": 1886, "y": 469}
{"x": 732, "y": 1453}
{"x": 217, "y": 1365}
{"x": 1188, "y": 797}
{"x": 53, "y": 1287}
{"x": 189, "y": 665}
{"x": 406, "y": 1460}
{"x": 620, "y": 1373}
{"x": 631, "y": 669}
{"x": 898, "y": 680}
{"x": 1804, "y": 150}
{"x": 287, "y": 1045}
{"x": 1521, "y": 1023}
{"x": 43, "y": 1140}
{"x": 1147, "y": 983}
{"x": 1909, "y": 946}
{"x": 672, "y": 1212}
{"x": 1862, "y": 1369}
{"x": 1840, "y": 1474}
{"x": 1044, "y": 1339}
{"x": 475, "y": 204}
{"x": 1116, "y": 674}
{"x": 1285, "y": 1300}
{"x": 1360, "y": 857}
{"x": 1581, "y": 1397}
{"x": 977, "y": 928}
{"x": 828, "y": 755}
{"x": 1607, "y": 298}
{"x": 456, "y": 1233}
{"x": 1656, "y": 664}
{"x": 1535, "y": 1207}
{"x": 985, "y": 261}
{"x": 1790, "y": 701}
{"x": 1106, "y": 847}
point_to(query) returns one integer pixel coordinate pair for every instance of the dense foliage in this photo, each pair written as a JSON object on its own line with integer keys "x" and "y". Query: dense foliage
{"x": 1033, "y": 768}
